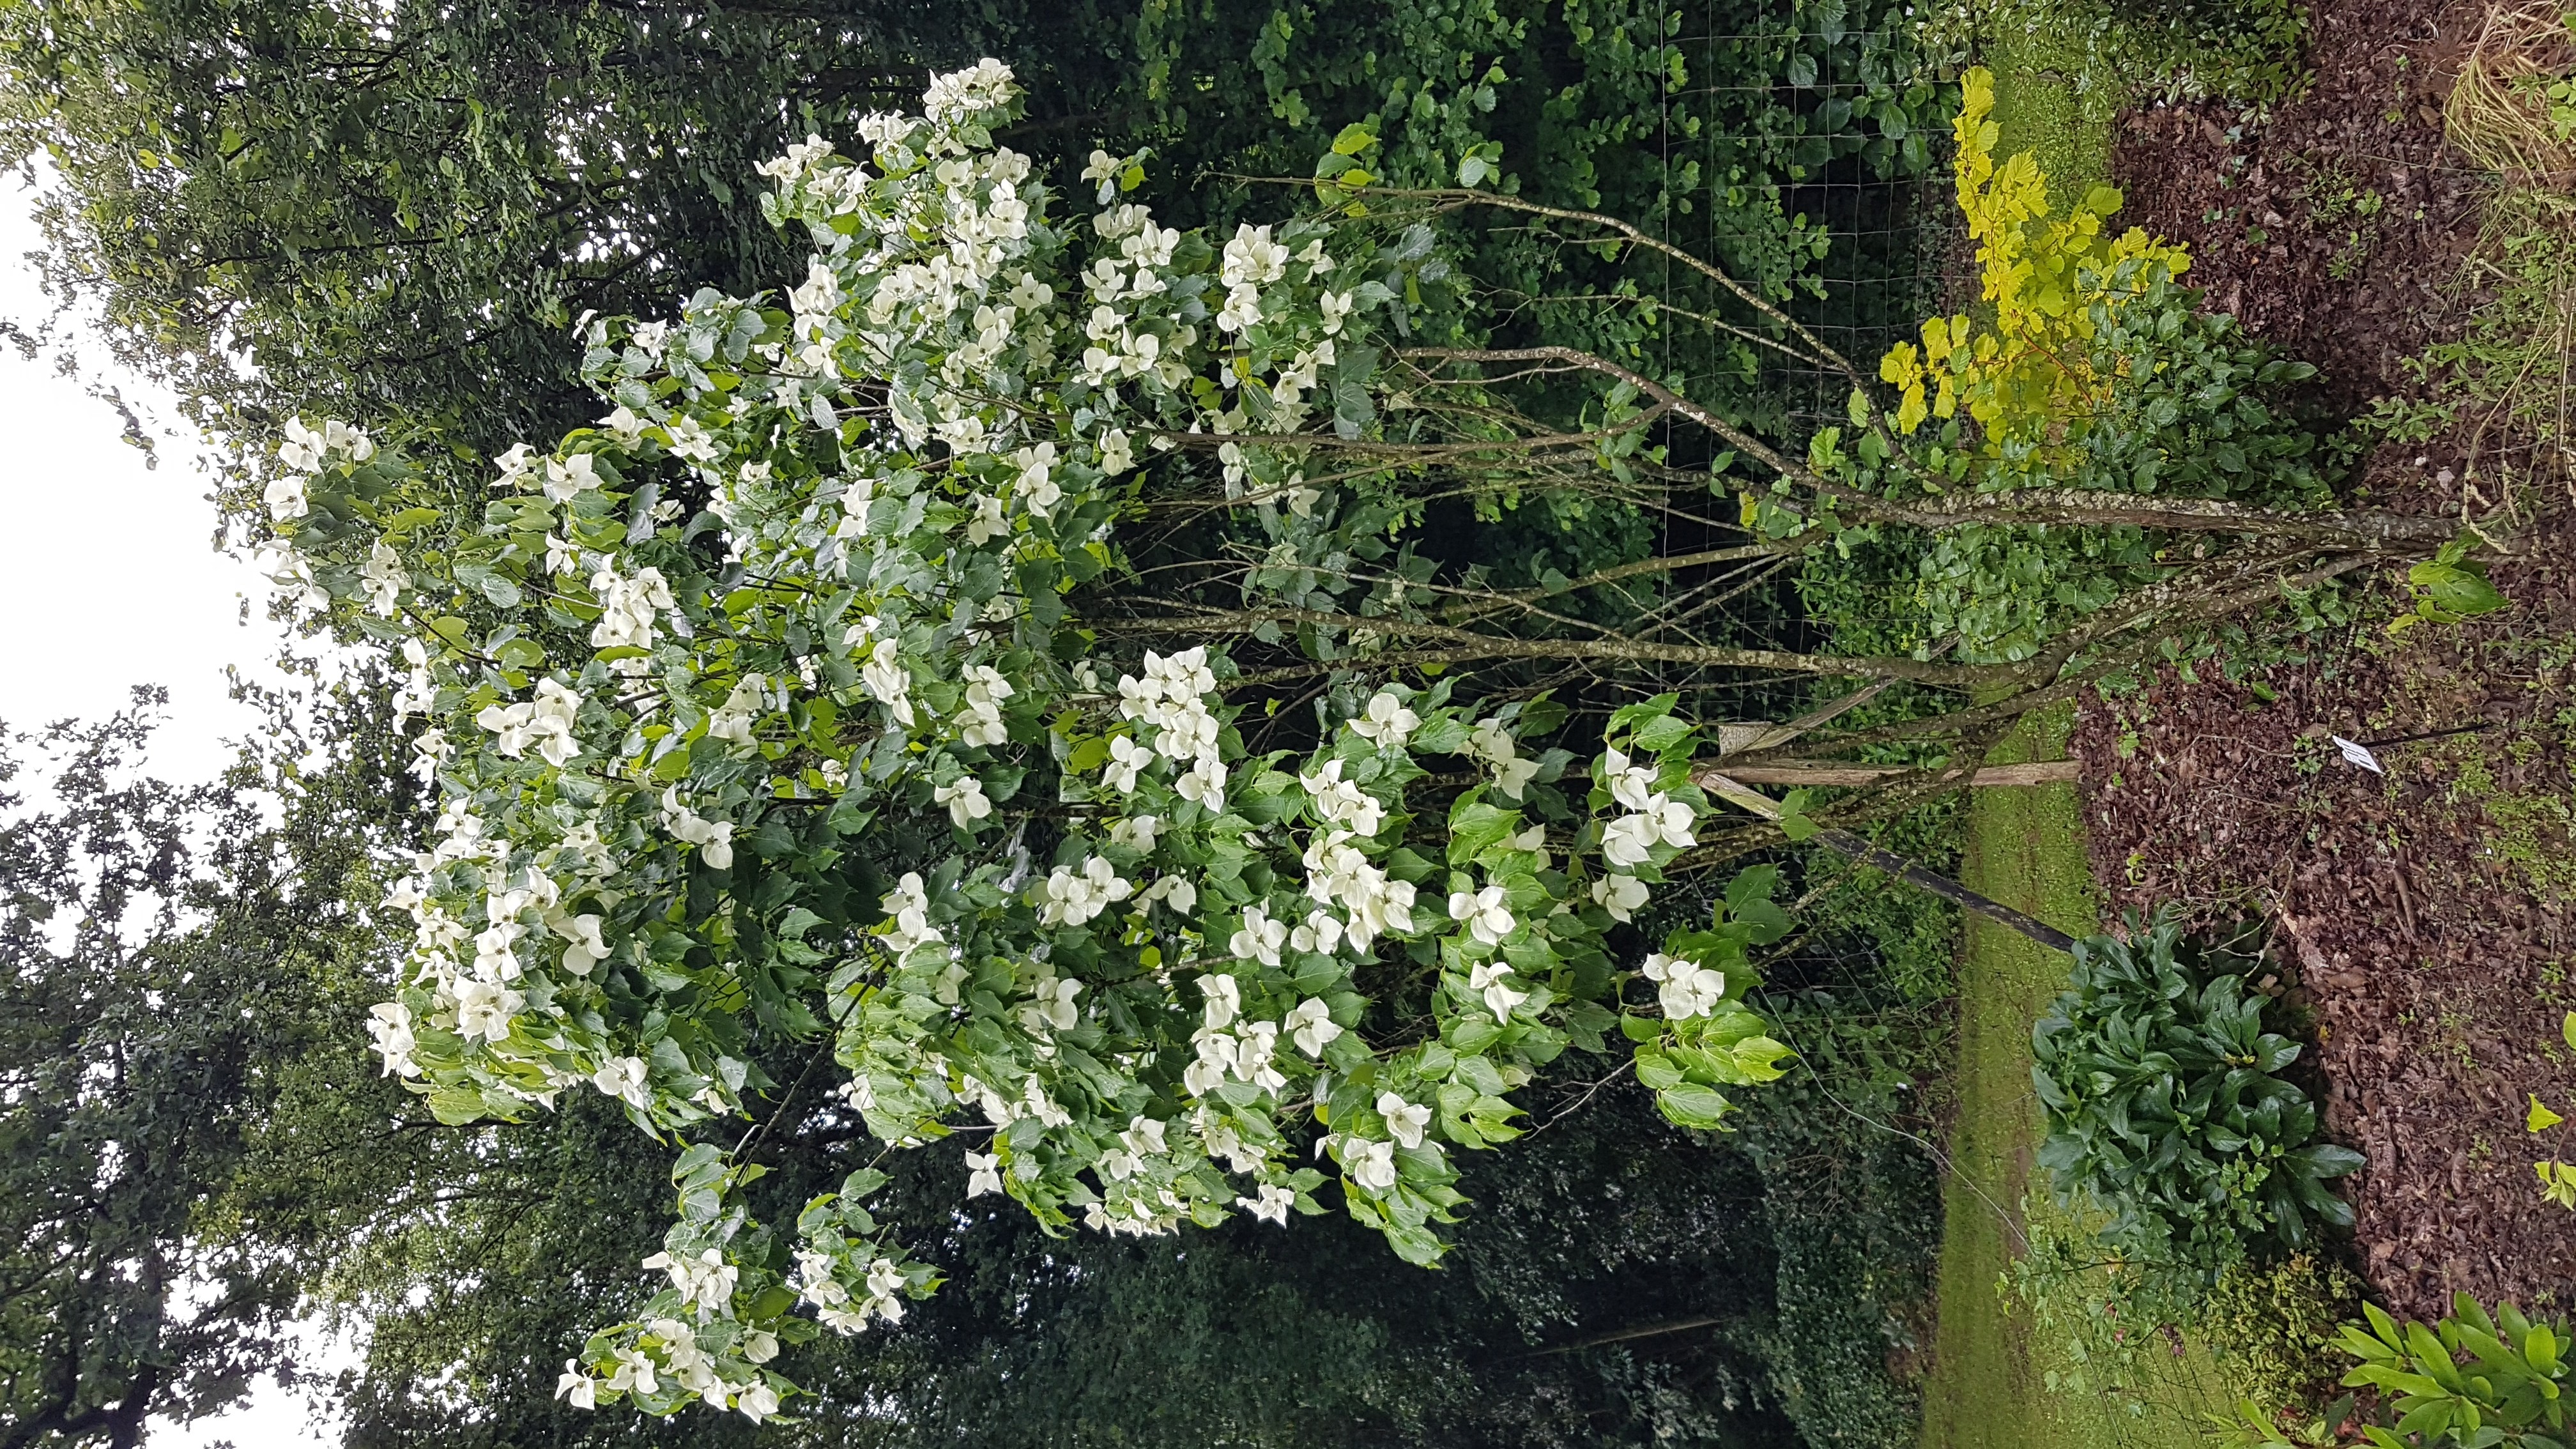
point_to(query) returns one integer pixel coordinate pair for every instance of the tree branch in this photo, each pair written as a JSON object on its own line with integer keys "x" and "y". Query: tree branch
{"x": 1471, "y": 644}
{"x": 1889, "y": 861}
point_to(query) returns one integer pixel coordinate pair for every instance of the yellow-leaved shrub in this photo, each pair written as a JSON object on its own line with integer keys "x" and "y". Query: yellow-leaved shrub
{"x": 2054, "y": 283}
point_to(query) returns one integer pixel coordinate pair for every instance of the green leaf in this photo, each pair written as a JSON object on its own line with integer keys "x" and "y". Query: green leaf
{"x": 456, "y": 1106}
{"x": 1662, "y": 733}
{"x": 1475, "y": 827}
{"x": 2456, "y": 588}
{"x": 1693, "y": 1105}
{"x": 1089, "y": 756}
{"x": 1764, "y": 920}
{"x": 1630, "y": 716}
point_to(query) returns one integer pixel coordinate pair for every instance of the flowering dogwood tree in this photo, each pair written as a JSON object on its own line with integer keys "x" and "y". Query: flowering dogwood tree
{"x": 795, "y": 701}
{"x": 758, "y": 709}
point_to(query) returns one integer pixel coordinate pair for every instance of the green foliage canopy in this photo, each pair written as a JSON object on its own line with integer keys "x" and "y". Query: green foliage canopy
{"x": 844, "y": 668}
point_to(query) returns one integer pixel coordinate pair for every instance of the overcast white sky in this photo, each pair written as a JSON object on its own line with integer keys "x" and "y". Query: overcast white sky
{"x": 108, "y": 580}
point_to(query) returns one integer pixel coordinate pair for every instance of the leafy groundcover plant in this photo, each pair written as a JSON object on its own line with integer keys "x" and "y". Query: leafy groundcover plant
{"x": 2474, "y": 1380}
{"x": 756, "y": 707}
{"x": 2159, "y": 1081}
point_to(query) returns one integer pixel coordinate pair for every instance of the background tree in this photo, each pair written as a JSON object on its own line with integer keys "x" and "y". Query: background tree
{"x": 1227, "y": 1337}
{"x": 175, "y": 971}
{"x": 398, "y": 214}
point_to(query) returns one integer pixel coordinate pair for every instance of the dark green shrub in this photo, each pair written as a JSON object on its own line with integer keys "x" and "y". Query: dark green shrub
{"x": 2213, "y": 34}
{"x": 2272, "y": 1328}
{"x": 1850, "y": 1196}
{"x": 2158, "y": 1078}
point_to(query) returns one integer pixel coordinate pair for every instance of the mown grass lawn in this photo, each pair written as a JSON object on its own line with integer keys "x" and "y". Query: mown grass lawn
{"x": 1989, "y": 1387}
{"x": 1989, "y": 1384}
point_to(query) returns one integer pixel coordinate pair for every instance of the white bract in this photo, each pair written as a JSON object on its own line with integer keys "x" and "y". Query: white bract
{"x": 1683, "y": 987}
{"x": 757, "y": 710}
{"x": 1487, "y": 913}
{"x": 1620, "y": 895}
{"x": 965, "y": 800}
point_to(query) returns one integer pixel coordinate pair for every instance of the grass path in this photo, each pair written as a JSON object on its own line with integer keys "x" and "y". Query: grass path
{"x": 2025, "y": 847}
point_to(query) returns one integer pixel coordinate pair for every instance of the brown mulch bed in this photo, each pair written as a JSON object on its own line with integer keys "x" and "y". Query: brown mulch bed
{"x": 2335, "y": 228}
{"x": 2426, "y": 918}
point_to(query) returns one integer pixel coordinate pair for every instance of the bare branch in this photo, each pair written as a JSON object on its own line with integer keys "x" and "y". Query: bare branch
{"x": 1472, "y": 644}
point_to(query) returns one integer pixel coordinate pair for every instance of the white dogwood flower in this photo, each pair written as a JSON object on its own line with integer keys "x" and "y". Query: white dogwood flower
{"x": 1405, "y": 1121}
{"x": 1370, "y": 1164}
{"x": 1344, "y": 802}
{"x": 704, "y": 1279}
{"x": 485, "y": 1009}
{"x": 1488, "y": 913}
{"x": 714, "y": 838}
{"x": 1136, "y": 832}
{"x": 1630, "y": 840}
{"x": 1126, "y": 759}
{"x": 1387, "y": 723}
{"x": 1492, "y": 979}
{"x": 1224, "y": 1000}
{"x": 1492, "y": 742}
{"x": 569, "y": 478}
{"x": 583, "y": 948}
{"x": 1036, "y": 484}
{"x": 1620, "y": 895}
{"x": 907, "y": 909}
{"x": 1204, "y": 784}
{"x": 1173, "y": 891}
{"x": 732, "y": 720}
{"x": 1071, "y": 898}
{"x": 302, "y": 448}
{"x": 1631, "y": 785}
{"x": 286, "y": 497}
{"x": 1052, "y": 1007}
{"x": 965, "y": 800}
{"x": 1684, "y": 987}
{"x": 1310, "y": 1025}
{"x": 1270, "y": 1204}
{"x": 390, "y": 1025}
{"x": 622, "y": 1078}
{"x": 1259, "y": 939}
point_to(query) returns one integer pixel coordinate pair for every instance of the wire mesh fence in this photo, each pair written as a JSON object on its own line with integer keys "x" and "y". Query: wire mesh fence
{"x": 1884, "y": 214}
